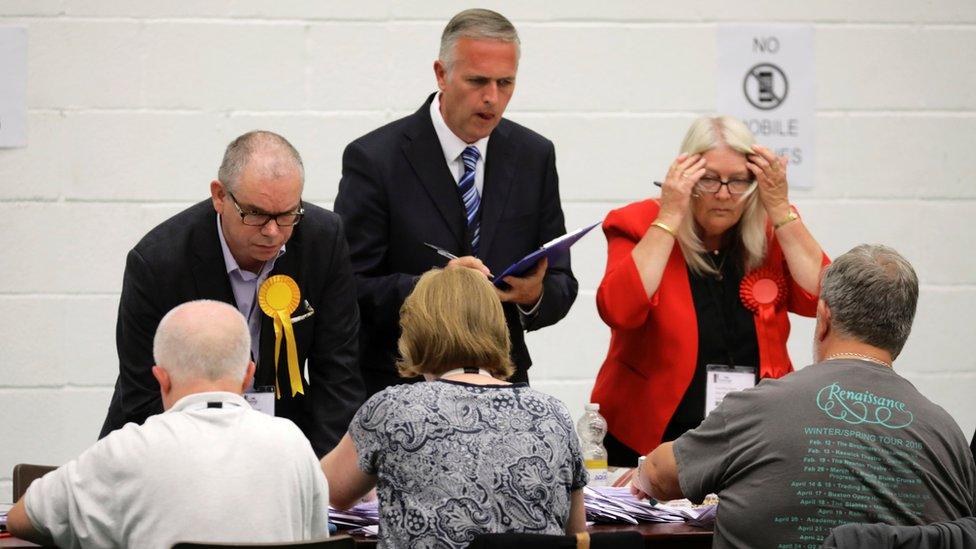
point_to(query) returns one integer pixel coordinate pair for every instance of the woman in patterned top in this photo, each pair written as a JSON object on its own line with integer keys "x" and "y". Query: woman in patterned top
{"x": 465, "y": 452}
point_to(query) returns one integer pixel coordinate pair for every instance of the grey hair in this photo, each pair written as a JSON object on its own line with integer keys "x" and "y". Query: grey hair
{"x": 477, "y": 24}
{"x": 872, "y": 293}
{"x": 240, "y": 150}
{"x": 203, "y": 339}
{"x": 705, "y": 134}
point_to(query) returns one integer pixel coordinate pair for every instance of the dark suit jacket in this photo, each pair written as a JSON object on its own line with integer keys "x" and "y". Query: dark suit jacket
{"x": 181, "y": 260}
{"x": 397, "y": 192}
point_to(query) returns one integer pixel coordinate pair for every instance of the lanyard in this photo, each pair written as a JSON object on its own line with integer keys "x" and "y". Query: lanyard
{"x": 457, "y": 371}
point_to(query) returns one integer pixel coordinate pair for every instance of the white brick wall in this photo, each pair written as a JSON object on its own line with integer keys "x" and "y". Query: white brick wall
{"x": 131, "y": 103}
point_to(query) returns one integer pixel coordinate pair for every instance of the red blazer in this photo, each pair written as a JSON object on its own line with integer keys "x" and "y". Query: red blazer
{"x": 654, "y": 342}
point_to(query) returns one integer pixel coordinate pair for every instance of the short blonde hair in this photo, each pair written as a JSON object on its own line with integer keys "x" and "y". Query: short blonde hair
{"x": 707, "y": 133}
{"x": 453, "y": 319}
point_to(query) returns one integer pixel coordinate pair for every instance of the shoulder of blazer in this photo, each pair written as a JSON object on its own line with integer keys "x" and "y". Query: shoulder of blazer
{"x": 519, "y": 134}
{"x": 388, "y": 136}
{"x": 190, "y": 231}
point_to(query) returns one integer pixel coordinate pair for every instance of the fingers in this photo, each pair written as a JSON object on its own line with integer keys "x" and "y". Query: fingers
{"x": 637, "y": 492}
{"x": 696, "y": 175}
{"x": 693, "y": 162}
{"x": 756, "y": 170}
{"x": 685, "y": 173}
{"x": 539, "y": 270}
{"x": 763, "y": 152}
{"x": 505, "y": 295}
{"x": 761, "y": 161}
{"x": 470, "y": 262}
{"x": 525, "y": 290}
{"x": 682, "y": 163}
{"x": 767, "y": 160}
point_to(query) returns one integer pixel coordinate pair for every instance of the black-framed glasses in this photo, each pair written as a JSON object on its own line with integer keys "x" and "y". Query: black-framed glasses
{"x": 254, "y": 219}
{"x": 735, "y": 186}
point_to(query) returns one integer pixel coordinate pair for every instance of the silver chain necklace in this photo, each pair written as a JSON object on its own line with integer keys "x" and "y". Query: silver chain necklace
{"x": 718, "y": 268}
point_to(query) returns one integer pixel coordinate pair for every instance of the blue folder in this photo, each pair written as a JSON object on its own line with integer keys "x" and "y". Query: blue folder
{"x": 552, "y": 249}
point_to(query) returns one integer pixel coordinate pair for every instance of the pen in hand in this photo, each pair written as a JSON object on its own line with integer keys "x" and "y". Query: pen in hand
{"x": 444, "y": 253}
{"x": 440, "y": 251}
{"x": 693, "y": 193}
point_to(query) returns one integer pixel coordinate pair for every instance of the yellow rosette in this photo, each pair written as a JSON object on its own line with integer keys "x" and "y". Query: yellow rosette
{"x": 279, "y": 297}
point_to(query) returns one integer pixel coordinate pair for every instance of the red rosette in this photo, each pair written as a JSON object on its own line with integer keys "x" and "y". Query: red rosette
{"x": 762, "y": 291}
{"x": 762, "y": 288}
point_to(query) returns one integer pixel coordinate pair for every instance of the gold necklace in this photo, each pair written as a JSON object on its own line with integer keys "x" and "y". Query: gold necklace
{"x": 718, "y": 268}
{"x": 860, "y": 356}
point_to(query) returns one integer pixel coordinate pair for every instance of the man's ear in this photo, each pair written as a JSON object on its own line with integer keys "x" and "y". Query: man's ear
{"x": 248, "y": 376}
{"x": 217, "y": 195}
{"x": 440, "y": 71}
{"x": 823, "y": 321}
{"x": 162, "y": 376}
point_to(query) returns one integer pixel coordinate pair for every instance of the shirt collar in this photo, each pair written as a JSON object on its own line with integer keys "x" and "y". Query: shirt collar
{"x": 451, "y": 144}
{"x": 230, "y": 263}
{"x": 190, "y": 401}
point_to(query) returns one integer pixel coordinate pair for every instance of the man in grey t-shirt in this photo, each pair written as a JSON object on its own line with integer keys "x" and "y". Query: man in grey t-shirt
{"x": 843, "y": 440}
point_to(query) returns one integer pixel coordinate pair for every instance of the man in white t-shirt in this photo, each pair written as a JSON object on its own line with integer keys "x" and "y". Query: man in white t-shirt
{"x": 207, "y": 469}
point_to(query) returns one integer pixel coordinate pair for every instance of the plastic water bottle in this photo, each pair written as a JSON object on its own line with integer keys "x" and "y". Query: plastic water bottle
{"x": 592, "y": 428}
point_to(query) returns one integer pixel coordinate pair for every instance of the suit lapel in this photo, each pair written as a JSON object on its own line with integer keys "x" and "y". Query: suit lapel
{"x": 426, "y": 157}
{"x": 500, "y": 169}
{"x": 209, "y": 270}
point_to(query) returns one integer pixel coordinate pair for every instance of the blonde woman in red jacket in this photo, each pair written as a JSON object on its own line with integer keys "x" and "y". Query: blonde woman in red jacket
{"x": 703, "y": 275}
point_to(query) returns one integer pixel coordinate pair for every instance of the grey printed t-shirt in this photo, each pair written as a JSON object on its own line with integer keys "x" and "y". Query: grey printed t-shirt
{"x": 454, "y": 460}
{"x": 836, "y": 442}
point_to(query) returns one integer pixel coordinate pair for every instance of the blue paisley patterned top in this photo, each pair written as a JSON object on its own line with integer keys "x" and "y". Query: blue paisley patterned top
{"x": 454, "y": 460}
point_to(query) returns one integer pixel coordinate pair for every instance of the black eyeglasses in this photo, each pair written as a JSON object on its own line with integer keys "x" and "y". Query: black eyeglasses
{"x": 735, "y": 186}
{"x": 253, "y": 219}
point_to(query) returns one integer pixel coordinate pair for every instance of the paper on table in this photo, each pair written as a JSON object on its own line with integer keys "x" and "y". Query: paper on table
{"x": 617, "y": 504}
{"x": 362, "y": 514}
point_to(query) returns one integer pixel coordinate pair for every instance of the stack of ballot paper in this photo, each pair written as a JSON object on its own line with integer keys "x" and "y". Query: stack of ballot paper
{"x": 363, "y": 514}
{"x": 4, "y": 509}
{"x": 617, "y": 504}
{"x": 603, "y": 504}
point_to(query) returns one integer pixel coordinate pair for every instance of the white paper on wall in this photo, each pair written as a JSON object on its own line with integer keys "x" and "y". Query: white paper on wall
{"x": 766, "y": 79}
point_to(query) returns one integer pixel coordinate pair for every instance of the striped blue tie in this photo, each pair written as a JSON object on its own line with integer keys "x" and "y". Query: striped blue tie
{"x": 469, "y": 194}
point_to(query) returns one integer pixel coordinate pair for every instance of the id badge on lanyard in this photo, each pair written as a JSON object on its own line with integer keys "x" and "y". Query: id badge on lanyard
{"x": 261, "y": 399}
{"x": 722, "y": 380}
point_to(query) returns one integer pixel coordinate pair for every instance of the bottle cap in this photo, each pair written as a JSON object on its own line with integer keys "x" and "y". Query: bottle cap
{"x": 592, "y": 407}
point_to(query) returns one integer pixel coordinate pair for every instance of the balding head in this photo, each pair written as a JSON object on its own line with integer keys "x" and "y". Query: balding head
{"x": 270, "y": 154}
{"x": 203, "y": 341}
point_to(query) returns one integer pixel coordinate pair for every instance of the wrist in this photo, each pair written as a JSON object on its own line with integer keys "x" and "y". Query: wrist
{"x": 639, "y": 475}
{"x": 779, "y": 212}
{"x": 668, "y": 228}
{"x": 786, "y": 219}
{"x": 670, "y": 219}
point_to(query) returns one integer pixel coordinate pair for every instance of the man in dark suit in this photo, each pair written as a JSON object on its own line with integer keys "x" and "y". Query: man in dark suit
{"x": 261, "y": 229}
{"x": 457, "y": 175}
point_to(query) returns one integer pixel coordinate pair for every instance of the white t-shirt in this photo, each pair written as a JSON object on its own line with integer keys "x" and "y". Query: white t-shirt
{"x": 194, "y": 473}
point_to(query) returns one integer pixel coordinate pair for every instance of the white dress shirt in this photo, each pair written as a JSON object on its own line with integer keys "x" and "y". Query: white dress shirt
{"x": 453, "y": 146}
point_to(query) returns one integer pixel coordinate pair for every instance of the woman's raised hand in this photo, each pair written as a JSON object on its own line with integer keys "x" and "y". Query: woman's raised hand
{"x": 678, "y": 185}
{"x": 770, "y": 172}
